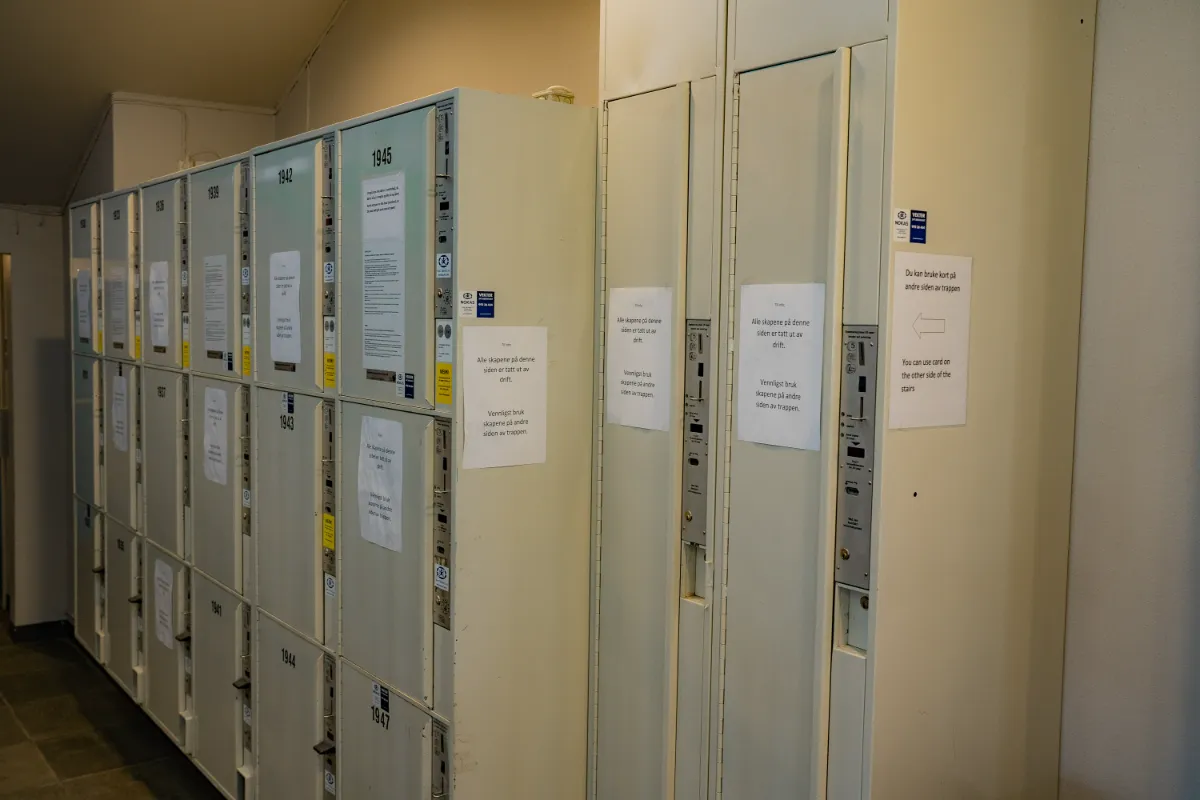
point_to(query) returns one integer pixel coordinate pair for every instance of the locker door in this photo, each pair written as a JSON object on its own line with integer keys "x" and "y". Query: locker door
{"x": 291, "y": 709}
{"x": 288, "y": 501}
{"x": 86, "y": 383}
{"x": 164, "y": 598}
{"x": 647, "y": 190}
{"x": 217, "y": 647}
{"x": 121, "y": 577}
{"x": 790, "y": 227}
{"x": 162, "y": 223}
{"x": 288, "y": 223}
{"x": 218, "y": 275}
{"x": 89, "y": 557}
{"x": 119, "y": 220}
{"x": 386, "y": 562}
{"x": 387, "y": 246}
{"x": 85, "y": 275}
{"x": 162, "y": 397}
{"x": 121, "y": 424}
{"x": 220, "y": 437}
{"x": 386, "y": 742}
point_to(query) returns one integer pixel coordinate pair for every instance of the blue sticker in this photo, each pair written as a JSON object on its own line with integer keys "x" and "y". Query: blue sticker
{"x": 917, "y": 227}
{"x": 410, "y": 386}
{"x": 485, "y": 305}
{"x": 229, "y": 361}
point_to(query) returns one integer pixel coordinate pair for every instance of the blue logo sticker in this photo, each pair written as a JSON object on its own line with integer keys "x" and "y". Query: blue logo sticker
{"x": 410, "y": 386}
{"x": 917, "y": 227}
{"x": 485, "y": 305}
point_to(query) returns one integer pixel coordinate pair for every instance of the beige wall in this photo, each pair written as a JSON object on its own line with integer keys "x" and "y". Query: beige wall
{"x": 382, "y": 52}
{"x": 154, "y": 137}
{"x": 1131, "y": 704}
{"x": 38, "y": 572}
{"x": 96, "y": 176}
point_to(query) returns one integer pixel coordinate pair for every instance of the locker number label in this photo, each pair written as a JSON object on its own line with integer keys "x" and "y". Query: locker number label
{"x": 214, "y": 192}
{"x": 216, "y": 607}
{"x": 381, "y": 157}
{"x": 285, "y": 175}
{"x": 289, "y": 657}
{"x": 160, "y": 205}
{"x": 287, "y": 422}
{"x": 380, "y": 717}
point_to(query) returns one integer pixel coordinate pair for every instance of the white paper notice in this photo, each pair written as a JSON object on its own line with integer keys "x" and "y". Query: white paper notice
{"x": 216, "y": 301}
{"x": 930, "y": 341}
{"x": 117, "y": 298}
{"x": 381, "y": 482}
{"x": 164, "y": 596}
{"x": 504, "y": 389}
{"x": 160, "y": 305}
{"x": 216, "y": 433}
{"x": 383, "y": 273}
{"x": 83, "y": 303}
{"x": 638, "y": 356}
{"x": 781, "y": 332}
{"x": 285, "y": 307}
{"x": 120, "y": 413}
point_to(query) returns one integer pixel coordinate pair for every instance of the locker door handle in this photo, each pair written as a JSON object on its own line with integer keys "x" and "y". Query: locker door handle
{"x": 137, "y": 598}
{"x": 242, "y": 683}
{"x": 185, "y": 636}
{"x": 325, "y": 748}
{"x": 97, "y": 570}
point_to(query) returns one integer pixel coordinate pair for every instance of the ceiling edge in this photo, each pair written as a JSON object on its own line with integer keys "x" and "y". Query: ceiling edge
{"x": 87, "y": 153}
{"x": 157, "y": 100}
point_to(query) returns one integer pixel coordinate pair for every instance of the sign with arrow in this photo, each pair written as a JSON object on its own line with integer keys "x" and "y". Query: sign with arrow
{"x": 930, "y": 341}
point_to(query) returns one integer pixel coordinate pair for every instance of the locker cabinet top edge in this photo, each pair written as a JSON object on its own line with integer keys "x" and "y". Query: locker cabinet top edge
{"x": 106, "y": 196}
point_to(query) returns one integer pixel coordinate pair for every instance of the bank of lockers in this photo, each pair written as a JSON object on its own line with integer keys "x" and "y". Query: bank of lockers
{"x": 84, "y": 241}
{"x": 221, "y": 685}
{"x": 165, "y": 456}
{"x": 216, "y": 326}
{"x": 87, "y": 386}
{"x": 122, "y": 581}
{"x": 119, "y": 247}
{"x": 220, "y": 484}
{"x": 166, "y": 602}
{"x": 121, "y": 450}
{"x": 163, "y": 267}
{"x": 89, "y": 608}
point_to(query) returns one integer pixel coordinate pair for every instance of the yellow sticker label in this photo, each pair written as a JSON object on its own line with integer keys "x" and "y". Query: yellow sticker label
{"x": 187, "y": 354}
{"x": 246, "y": 360}
{"x": 444, "y": 384}
{"x": 330, "y": 370}
{"x": 100, "y": 340}
{"x": 137, "y": 347}
{"x": 327, "y": 531}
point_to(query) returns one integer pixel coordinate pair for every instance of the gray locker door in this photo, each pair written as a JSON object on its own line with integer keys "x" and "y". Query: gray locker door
{"x": 217, "y": 657}
{"x": 89, "y": 555}
{"x": 387, "y": 593}
{"x": 217, "y": 418}
{"x": 288, "y": 501}
{"x": 160, "y": 264}
{"x": 287, "y": 241}
{"x": 84, "y": 279}
{"x": 162, "y": 397}
{"x": 86, "y": 383}
{"x": 385, "y": 743}
{"x": 790, "y": 193}
{"x": 120, "y": 559}
{"x": 164, "y": 593}
{"x": 117, "y": 215}
{"x": 375, "y": 363}
{"x": 647, "y": 202}
{"x": 120, "y": 450}
{"x": 214, "y": 272}
{"x": 291, "y": 679}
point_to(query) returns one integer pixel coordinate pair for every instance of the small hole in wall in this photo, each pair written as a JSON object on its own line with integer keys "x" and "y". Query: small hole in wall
{"x": 914, "y": 494}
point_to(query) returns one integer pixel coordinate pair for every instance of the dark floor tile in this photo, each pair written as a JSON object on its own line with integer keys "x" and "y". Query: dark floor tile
{"x": 64, "y": 714}
{"x": 53, "y": 792}
{"x": 171, "y": 778}
{"x": 23, "y": 769}
{"x": 138, "y": 739}
{"x": 10, "y": 729}
{"x": 59, "y": 678}
{"x": 80, "y": 754}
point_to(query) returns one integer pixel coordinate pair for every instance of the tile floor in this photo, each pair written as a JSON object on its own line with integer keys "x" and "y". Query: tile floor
{"x": 68, "y": 731}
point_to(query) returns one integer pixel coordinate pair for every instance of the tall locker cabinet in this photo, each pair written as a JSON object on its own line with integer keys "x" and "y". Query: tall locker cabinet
{"x": 895, "y": 479}
{"x": 465, "y": 299}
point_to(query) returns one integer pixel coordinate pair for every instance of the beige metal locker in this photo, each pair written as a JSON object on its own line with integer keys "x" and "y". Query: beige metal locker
{"x": 221, "y": 652}
{"x": 167, "y": 603}
{"x": 122, "y": 561}
{"x": 122, "y": 448}
{"x": 88, "y": 384}
{"x": 166, "y": 405}
{"x": 119, "y": 242}
{"x": 164, "y": 264}
{"x": 89, "y": 580}
{"x": 220, "y": 489}
{"x": 85, "y": 279}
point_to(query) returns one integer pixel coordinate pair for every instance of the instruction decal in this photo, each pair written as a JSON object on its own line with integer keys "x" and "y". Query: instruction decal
{"x": 638, "y": 357}
{"x": 504, "y": 392}
{"x": 381, "y": 482}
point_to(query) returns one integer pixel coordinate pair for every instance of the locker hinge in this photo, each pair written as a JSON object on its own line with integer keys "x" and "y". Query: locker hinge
{"x": 442, "y": 523}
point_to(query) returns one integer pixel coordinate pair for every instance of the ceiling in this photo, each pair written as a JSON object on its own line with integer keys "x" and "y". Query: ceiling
{"x": 60, "y": 59}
